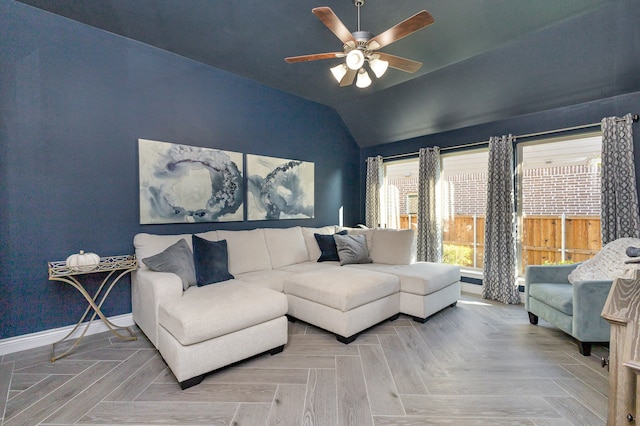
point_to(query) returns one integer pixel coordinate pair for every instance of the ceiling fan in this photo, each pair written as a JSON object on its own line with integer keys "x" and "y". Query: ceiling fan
{"x": 360, "y": 47}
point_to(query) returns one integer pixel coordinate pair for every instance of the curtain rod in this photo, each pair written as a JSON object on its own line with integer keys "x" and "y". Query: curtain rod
{"x": 634, "y": 117}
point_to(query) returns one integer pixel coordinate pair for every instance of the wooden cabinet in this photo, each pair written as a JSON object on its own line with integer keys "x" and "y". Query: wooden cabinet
{"x": 622, "y": 310}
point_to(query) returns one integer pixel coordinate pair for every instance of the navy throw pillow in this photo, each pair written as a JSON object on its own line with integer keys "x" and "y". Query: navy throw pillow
{"x": 211, "y": 260}
{"x": 327, "y": 245}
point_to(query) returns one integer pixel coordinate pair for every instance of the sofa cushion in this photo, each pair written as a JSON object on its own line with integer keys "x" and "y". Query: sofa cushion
{"x": 327, "y": 245}
{"x": 310, "y": 240}
{"x": 392, "y": 246}
{"x": 342, "y": 288}
{"x": 557, "y": 295}
{"x": 273, "y": 279}
{"x": 308, "y": 266}
{"x": 247, "y": 250}
{"x": 286, "y": 246}
{"x": 176, "y": 258}
{"x": 203, "y": 313}
{"x": 209, "y": 235}
{"x": 147, "y": 245}
{"x": 420, "y": 278}
{"x": 211, "y": 261}
{"x": 352, "y": 249}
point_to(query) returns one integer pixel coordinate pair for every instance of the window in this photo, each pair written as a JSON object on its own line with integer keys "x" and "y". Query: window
{"x": 464, "y": 177}
{"x": 400, "y": 200}
{"x": 557, "y": 193}
{"x": 559, "y": 200}
{"x": 464, "y": 180}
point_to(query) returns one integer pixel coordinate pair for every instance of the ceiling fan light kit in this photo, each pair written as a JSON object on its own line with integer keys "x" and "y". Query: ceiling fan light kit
{"x": 363, "y": 79}
{"x": 378, "y": 66}
{"x": 355, "y": 59}
{"x": 359, "y": 47}
{"x": 339, "y": 71}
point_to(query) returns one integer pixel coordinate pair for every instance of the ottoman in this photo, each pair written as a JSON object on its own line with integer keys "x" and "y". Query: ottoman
{"x": 344, "y": 301}
{"x": 425, "y": 287}
{"x": 217, "y": 325}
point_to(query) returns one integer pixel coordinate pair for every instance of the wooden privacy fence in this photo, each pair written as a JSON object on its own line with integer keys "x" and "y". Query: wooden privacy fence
{"x": 556, "y": 239}
{"x": 545, "y": 239}
{"x": 463, "y": 238}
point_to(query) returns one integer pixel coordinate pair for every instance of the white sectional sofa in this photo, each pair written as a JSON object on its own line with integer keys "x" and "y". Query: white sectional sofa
{"x": 276, "y": 274}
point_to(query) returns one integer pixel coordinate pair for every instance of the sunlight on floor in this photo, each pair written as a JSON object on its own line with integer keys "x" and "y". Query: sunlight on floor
{"x": 473, "y": 302}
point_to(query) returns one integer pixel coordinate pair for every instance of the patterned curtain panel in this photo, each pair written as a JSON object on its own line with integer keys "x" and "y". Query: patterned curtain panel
{"x": 373, "y": 185}
{"x": 619, "y": 196}
{"x": 499, "y": 281}
{"x": 429, "y": 244}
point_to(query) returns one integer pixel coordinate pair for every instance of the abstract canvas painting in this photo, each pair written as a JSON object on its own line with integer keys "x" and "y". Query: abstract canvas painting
{"x": 186, "y": 184}
{"x": 278, "y": 188}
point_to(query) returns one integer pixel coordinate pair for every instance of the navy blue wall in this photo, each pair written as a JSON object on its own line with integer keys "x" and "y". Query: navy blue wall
{"x": 74, "y": 101}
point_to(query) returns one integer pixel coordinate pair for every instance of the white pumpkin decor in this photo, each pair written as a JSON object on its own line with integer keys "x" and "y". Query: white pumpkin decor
{"x": 83, "y": 261}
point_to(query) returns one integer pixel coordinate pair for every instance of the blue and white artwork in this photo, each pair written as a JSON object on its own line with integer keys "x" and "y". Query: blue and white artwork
{"x": 187, "y": 184}
{"x": 279, "y": 189}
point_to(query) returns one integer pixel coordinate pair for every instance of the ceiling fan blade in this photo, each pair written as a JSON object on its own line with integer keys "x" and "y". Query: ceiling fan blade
{"x": 402, "y": 64}
{"x": 314, "y": 57}
{"x": 326, "y": 15}
{"x": 401, "y": 30}
{"x": 348, "y": 77}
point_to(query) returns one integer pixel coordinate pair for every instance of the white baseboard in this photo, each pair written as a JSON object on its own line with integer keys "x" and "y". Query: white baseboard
{"x": 477, "y": 290}
{"x": 471, "y": 288}
{"x": 47, "y": 337}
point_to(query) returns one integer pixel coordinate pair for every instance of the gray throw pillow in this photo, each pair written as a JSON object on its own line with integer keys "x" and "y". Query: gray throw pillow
{"x": 176, "y": 258}
{"x": 352, "y": 249}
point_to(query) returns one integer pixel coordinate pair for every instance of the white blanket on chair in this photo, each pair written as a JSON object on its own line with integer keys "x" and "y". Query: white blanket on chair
{"x": 608, "y": 263}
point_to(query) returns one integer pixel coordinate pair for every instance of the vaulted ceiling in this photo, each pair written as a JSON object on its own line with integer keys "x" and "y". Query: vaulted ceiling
{"x": 483, "y": 60}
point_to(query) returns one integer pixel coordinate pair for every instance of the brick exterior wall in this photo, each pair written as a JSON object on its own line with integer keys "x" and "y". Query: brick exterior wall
{"x": 572, "y": 190}
{"x": 465, "y": 194}
{"x": 405, "y": 186}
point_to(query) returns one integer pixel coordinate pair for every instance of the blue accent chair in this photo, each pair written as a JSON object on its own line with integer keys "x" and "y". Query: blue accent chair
{"x": 573, "y": 308}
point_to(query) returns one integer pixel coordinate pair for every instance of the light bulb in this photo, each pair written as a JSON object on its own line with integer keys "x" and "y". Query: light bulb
{"x": 363, "y": 79}
{"x": 378, "y": 66}
{"x": 355, "y": 59}
{"x": 339, "y": 71}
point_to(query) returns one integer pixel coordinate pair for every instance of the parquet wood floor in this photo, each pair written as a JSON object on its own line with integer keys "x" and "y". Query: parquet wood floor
{"x": 479, "y": 363}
